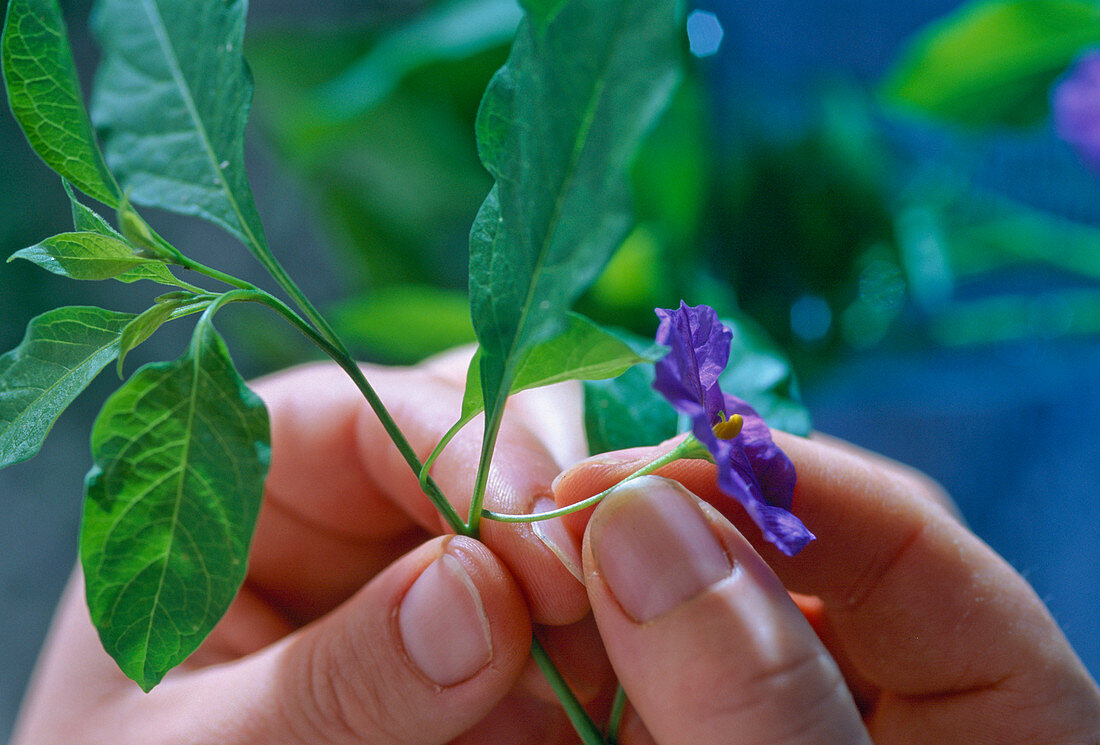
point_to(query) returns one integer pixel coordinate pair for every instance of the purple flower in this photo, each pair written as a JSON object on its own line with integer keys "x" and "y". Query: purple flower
{"x": 1076, "y": 108}
{"x": 751, "y": 468}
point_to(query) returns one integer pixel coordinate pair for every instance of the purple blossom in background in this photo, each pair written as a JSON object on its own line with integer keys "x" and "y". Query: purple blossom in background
{"x": 1075, "y": 105}
{"x": 751, "y": 468}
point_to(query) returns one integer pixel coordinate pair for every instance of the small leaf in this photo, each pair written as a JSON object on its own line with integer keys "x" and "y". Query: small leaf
{"x": 62, "y": 352}
{"x": 558, "y": 128}
{"x": 181, "y": 452}
{"x": 146, "y": 324}
{"x": 171, "y": 98}
{"x": 993, "y": 61}
{"x": 626, "y": 412}
{"x": 584, "y": 352}
{"x": 84, "y": 256}
{"x": 44, "y": 93}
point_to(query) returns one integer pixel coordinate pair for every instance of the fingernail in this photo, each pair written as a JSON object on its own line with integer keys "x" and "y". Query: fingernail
{"x": 655, "y": 548}
{"x": 443, "y": 623}
{"x": 556, "y": 537}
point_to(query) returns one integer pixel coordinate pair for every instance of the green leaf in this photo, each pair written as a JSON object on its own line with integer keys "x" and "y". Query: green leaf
{"x": 626, "y": 412}
{"x": 44, "y": 93}
{"x": 181, "y": 452}
{"x": 760, "y": 373}
{"x": 61, "y": 353}
{"x": 558, "y": 128}
{"x": 86, "y": 220}
{"x": 171, "y": 98}
{"x": 146, "y": 324}
{"x": 993, "y": 62}
{"x": 85, "y": 256}
{"x": 541, "y": 12}
{"x": 584, "y": 352}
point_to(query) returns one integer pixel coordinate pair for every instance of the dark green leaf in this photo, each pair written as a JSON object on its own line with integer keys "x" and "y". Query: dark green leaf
{"x": 62, "y": 352}
{"x": 45, "y": 98}
{"x": 171, "y": 97}
{"x": 85, "y": 256}
{"x": 558, "y": 128}
{"x": 181, "y": 451}
{"x": 626, "y": 412}
{"x": 542, "y": 12}
{"x": 583, "y": 352}
{"x": 993, "y": 61}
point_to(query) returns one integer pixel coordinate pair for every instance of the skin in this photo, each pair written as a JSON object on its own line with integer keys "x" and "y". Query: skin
{"x": 911, "y": 631}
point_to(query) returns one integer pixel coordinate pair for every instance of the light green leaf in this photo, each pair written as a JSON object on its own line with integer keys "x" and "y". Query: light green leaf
{"x": 171, "y": 98}
{"x": 558, "y": 128}
{"x": 62, "y": 352}
{"x": 86, "y": 220}
{"x": 993, "y": 61}
{"x": 181, "y": 452}
{"x": 145, "y": 325}
{"x": 44, "y": 93}
{"x": 583, "y": 352}
{"x": 85, "y": 256}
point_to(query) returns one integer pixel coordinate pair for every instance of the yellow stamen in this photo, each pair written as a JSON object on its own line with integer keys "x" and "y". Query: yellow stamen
{"x": 727, "y": 429}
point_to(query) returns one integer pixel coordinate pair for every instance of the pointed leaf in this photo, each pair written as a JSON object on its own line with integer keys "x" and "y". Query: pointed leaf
{"x": 558, "y": 127}
{"x": 62, "y": 352}
{"x": 85, "y": 256}
{"x": 992, "y": 61}
{"x": 584, "y": 352}
{"x": 86, "y": 220}
{"x": 44, "y": 93}
{"x": 145, "y": 325}
{"x": 171, "y": 97}
{"x": 181, "y": 452}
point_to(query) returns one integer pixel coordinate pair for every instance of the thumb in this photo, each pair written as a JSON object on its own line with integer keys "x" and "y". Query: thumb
{"x": 707, "y": 643}
{"x": 418, "y": 655}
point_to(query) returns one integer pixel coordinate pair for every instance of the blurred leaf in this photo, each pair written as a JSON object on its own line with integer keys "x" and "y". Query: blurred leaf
{"x": 993, "y": 61}
{"x": 449, "y": 30}
{"x": 584, "y": 351}
{"x": 181, "y": 452}
{"x": 761, "y": 374}
{"x": 62, "y": 352}
{"x": 558, "y": 128}
{"x": 626, "y": 412}
{"x": 542, "y": 12}
{"x": 44, "y": 93}
{"x": 1009, "y": 318}
{"x": 84, "y": 255}
{"x": 405, "y": 323}
{"x": 171, "y": 98}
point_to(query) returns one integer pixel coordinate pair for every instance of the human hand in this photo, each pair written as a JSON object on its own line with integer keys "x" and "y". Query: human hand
{"x": 922, "y": 631}
{"x": 358, "y": 622}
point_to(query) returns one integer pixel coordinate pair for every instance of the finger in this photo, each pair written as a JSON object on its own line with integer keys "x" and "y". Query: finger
{"x": 707, "y": 643}
{"x": 418, "y": 656}
{"x": 519, "y": 482}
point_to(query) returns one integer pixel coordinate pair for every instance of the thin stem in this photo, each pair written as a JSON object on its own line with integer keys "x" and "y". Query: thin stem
{"x": 488, "y": 443}
{"x": 687, "y": 448}
{"x": 434, "y": 493}
{"x": 213, "y": 273}
{"x": 616, "y": 718}
{"x": 582, "y": 723}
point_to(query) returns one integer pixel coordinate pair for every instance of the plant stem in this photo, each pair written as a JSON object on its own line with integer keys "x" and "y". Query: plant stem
{"x": 616, "y": 718}
{"x": 686, "y": 449}
{"x": 582, "y": 723}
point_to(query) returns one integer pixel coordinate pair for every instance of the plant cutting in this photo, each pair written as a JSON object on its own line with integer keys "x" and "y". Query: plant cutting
{"x": 181, "y": 450}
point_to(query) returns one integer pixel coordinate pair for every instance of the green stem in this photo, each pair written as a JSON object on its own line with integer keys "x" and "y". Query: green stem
{"x": 488, "y": 443}
{"x": 582, "y": 723}
{"x": 616, "y": 718}
{"x": 213, "y": 273}
{"x": 689, "y": 448}
{"x": 434, "y": 493}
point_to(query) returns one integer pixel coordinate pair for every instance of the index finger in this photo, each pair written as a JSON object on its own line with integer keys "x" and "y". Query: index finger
{"x": 919, "y": 605}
